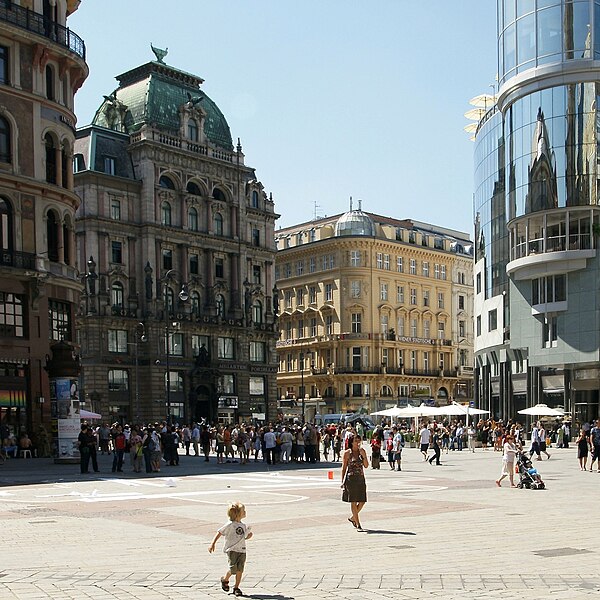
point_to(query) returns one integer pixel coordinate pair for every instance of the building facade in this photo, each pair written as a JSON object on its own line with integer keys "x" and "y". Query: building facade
{"x": 373, "y": 312}
{"x": 42, "y": 65}
{"x": 536, "y": 214}
{"x": 175, "y": 235}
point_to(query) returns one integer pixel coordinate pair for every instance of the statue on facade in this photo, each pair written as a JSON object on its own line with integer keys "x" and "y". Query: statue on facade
{"x": 159, "y": 53}
{"x": 275, "y": 300}
{"x": 148, "y": 280}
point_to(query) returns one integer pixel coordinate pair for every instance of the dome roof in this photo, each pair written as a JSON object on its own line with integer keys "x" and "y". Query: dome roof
{"x": 153, "y": 94}
{"x": 355, "y": 222}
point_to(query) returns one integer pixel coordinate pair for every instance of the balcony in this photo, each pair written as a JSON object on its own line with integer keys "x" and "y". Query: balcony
{"x": 17, "y": 260}
{"x": 36, "y": 23}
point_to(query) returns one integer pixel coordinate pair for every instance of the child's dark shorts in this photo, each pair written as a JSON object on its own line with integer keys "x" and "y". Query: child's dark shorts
{"x": 237, "y": 561}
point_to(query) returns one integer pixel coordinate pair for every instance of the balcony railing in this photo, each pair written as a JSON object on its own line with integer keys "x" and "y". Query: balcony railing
{"x": 18, "y": 260}
{"x": 37, "y": 23}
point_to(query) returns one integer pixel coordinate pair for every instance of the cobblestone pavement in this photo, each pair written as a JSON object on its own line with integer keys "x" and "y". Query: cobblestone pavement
{"x": 431, "y": 532}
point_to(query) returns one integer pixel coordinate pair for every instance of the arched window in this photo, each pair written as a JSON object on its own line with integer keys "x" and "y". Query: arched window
{"x": 52, "y": 235}
{"x": 5, "y": 146}
{"x": 165, "y": 213}
{"x": 66, "y": 242}
{"x": 50, "y": 159}
{"x": 193, "y": 130}
{"x": 218, "y": 224}
{"x": 257, "y": 314}
{"x": 386, "y": 391}
{"x": 6, "y": 227}
{"x": 117, "y": 295}
{"x": 193, "y": 219}
{"x": 218, "y": 194}
{"x": 50, "y": 87}
{"x": 254, "y": 199}
{"x": 166, "y": 182}
{"x": 220, "y": 304}
{"x": 194, "y": 189}
{"x": 195, "y": 302}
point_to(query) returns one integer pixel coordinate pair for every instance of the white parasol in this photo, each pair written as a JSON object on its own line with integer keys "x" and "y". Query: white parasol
{"x": 542, "y": 410}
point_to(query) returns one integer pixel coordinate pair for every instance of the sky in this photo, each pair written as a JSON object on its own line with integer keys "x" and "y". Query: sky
{"x": 330, "y": 98}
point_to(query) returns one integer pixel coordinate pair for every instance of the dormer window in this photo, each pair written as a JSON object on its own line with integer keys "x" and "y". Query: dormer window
{"x": 166, "y": 182}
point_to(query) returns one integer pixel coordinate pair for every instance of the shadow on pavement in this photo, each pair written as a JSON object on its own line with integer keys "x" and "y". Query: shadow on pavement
{"x": 388, "y": 532}
{"x": 269, "y": 596}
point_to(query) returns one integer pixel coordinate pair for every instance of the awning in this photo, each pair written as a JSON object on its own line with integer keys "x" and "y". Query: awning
{"x": 519, "y": 385}
{"x": 553, "y": 384}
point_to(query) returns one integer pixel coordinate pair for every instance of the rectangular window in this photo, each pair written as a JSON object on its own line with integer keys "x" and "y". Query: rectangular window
{"x": 257, "y": 352}
{"x": 427, "y": 329}
{"x": 355, "y": 289}
{"x": 550, "y": 331}
{"x": 288, "y": 330}
{"x": 478, "y": 326}
{"x": 288, "y": 299}
{"x": 300, "y": 268}
{"x": 436, "y": 271}
{"x": 115, "y": 209}
{"x": 256, "y": 237}
{"x": 413, "y": 360}
{"x": 12, "y": 315}
{"x": 194, "y": 264}
{"x": 256, "y": 274}
{"x": 300, "y": 297}
{"x": 461, "y": 329}
{"x": 399, "y": 264}
{"x": 312, "y": 294}
{"x": 197, "y": 342}
{"x": 425, "y": 298}
{"x": 384, "y": 357}
{"x": 109, "y": 165}
{"x": 356, "y": 322}
{"x": 117, "y": 340}
{"x": 4, "y": 65}
{"x": 385, "y": 324}
{"x": 324, "y": 263}
{"x": 357, "y": 389}
{"x": 299, "y": 239}
{"x": 413, "y": 266}
{"x": 493, "y": 320}
{"x": 287, "y": 270}
{"x": 219, "y": 268}
{"x": 461, "y": 303}
{"x": 332, "y": 261}
{"x": 329, "y": 324}
{"x": 443, "y": 272}
{"x": 426, "y": 361}
{"x": 549, "y": 289}
{"x": 59, "y": 316}
{"x": 167, "y": 259}
{"x": 383, "y": 291}
{"x": 425, "y": 269}
{"x": 478, "y": 283}
{"x": 380, "y": 260}
{"x": 413, "y": 328}
{"x": 116, "y": 252}
{"x": 118, "y": 380}
{"x": 440, "y": 300}
{"x": 401, "y": 326}
{"x": 226, "y": 383}
{"x": 441, "y": 331}
{"x": 328, "y": 292}
{"x": 313, "y": 326}
{"x": 355, "y": 258}
{"x": 289, "y": 363}
{"x": 400, "y": 294}
{"x": 300, "y": 328}
{"x": 413, "y": 296}
{"x": 312, "y": 264}
{"x": 225, "y": 346}
{"x": 386, "y": 262}
{"x": 175, "y": 344}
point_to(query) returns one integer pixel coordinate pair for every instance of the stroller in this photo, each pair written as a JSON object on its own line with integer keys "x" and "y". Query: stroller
{"x": 529, "y": 478}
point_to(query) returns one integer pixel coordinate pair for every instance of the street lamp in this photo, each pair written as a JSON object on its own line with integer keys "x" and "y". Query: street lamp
{"x": 183, "y": 297}
{"x": 140, "y": 336}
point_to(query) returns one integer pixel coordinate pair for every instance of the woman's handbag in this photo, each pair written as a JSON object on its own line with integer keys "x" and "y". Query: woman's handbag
{"x": 345, "y": 494}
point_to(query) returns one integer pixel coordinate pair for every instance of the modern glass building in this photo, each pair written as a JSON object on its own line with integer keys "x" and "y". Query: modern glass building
{"x": 536, "y": 209}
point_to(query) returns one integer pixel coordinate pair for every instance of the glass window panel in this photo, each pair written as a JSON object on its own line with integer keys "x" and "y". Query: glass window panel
{"x": 524, "y": 7}
{"x": 509, "y": 49}
{"x": 549, "y": 27}
{"x": 576, "y": 28}
{"x": 509, "y": 11}
{"x": 525, "y": 39}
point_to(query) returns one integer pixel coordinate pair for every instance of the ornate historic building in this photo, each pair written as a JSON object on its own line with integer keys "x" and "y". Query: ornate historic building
{"x": 374, "y": 311}
{"x": 42, "y": 65}
{"x": 177, "y": 234}
{"x": 536, "y": 214}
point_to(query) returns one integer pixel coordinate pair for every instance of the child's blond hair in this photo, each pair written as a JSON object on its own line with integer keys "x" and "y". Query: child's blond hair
{"x": 235, "y": 510}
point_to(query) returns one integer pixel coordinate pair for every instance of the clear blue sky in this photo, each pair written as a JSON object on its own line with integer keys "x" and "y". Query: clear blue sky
{"x": 331, "y": 98}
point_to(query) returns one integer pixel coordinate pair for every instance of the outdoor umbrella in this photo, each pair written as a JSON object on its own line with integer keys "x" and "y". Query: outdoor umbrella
{"x": 395, "y": 411}
{"x": 420, "y": 411}
{"x": 542, "y": 410}
{"x": 86, "y": 414}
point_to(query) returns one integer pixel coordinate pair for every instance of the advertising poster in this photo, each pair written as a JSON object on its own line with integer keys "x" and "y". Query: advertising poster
{"x": 65, "y": 396}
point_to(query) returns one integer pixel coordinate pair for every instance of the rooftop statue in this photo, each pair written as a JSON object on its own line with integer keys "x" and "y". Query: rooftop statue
{"x": 160, "y": 54}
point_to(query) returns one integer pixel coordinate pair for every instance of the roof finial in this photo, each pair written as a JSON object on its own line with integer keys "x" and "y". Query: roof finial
{"x": 159, "y": 53}
{"x": 350, "y": 203}
{"x": 239, "y": 145}
{"x": 359, "y": 204}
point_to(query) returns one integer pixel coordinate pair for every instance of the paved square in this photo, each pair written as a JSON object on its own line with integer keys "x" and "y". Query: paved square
{"x": 431, "y": 532}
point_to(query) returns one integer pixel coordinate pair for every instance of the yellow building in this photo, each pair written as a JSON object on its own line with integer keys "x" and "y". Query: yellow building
{"x": 373, "y": 312}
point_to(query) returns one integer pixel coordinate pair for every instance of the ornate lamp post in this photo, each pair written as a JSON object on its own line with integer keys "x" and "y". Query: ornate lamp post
{"x": 183, "y": 297}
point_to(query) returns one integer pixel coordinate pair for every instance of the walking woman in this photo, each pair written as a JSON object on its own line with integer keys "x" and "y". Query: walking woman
{"x": 583, "y": 447}
{"x": 354, "y": 462}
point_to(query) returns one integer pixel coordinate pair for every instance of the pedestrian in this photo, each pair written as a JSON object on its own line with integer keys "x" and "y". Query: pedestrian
{"x": 270, "y": 444}
{"x": 424, "y": 439}
{"x": 119, "y": 444}
{"x": 104, "y": 437}
{"x": 436, "y": 447}
{"x": 205, "y": 442}
{"x": 398, "y": 444}
{"x": 543, "y": 441}
{"x": 196, "y": 439}
{"x": 235, "y": 533}
{"x": 186, "y": 434}
{"x": 508, "y": 460}
{"x": 220, "y": 446}
{"x": 375, "y": 451}
{"x": 286, "y": 445}
{"x": 594, "y": 438}
{"x": 136, "y": 450}
{"x": 390, "y": 449}
{"x": 535, "y": 441}
{"x": 354, "y": 462}
{"x": 87, "y": 449}
{"x": 471, "y": 437}
{"x": 583, "y": 448}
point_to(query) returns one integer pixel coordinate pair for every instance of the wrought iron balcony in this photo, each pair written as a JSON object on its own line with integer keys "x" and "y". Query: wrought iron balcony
{"x": 37, "y": 23}
{"x": 18, "y": 260}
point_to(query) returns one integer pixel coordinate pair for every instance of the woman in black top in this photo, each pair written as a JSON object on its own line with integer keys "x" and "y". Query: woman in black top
{"x": 435, "y": 446}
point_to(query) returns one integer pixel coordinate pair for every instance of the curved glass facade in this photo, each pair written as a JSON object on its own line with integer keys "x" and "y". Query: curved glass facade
{"x": 551, "y": 149}
{"x": 491, "y": 233}
{"x": 533, "y": 33}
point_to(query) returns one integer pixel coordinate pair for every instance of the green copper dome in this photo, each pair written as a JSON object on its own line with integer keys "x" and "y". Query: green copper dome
{"x": 153, "y": 94}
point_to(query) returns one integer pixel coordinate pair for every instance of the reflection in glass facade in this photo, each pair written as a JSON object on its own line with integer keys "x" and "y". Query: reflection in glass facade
{"x": 534, "y": 33}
